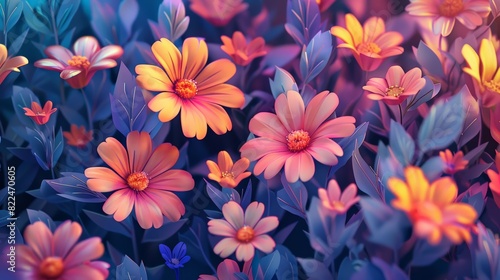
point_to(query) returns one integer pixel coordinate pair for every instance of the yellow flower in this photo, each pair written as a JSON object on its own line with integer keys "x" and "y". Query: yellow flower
{"x": 431, "y": 207}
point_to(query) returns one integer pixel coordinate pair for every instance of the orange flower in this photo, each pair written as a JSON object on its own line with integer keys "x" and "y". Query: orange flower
{"x": 78, "y": 136}
{"x": 324, "y": 4}
{"x": 453, "y": 163}
{"x": 40, "y": 116}
{"x": 369, "y": 44}
{"x": 218, "y": 12}
{"x": 227, "y": 174}
{"x": 242, "y": 52}
{"x": 186, "y": 85}
{"x": 431, "y": 208}
{"x": 8, "y": 65}
{"x": 495, "y": 180}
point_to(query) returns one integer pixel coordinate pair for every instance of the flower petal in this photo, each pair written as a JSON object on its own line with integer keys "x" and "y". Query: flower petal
{"x": 226, "y": 247}
{"x": 253, "y": 213}
{"x": 153, "y": 78}
{"x": 114, "y": 154}
{"x": 319, "y": 109}
{"x": 264, "y": 243}
{"x": 120, "y": 204}
{"x": 87, "y": 250}
{"x": 215, "y": 73}
{"x": 162, "y": 159}
{"x": 194, "y": 57}
{"x": 266, "y": 225}
{"x": 147, "y": 211}
{"x": 289, "y": 108}
{"x": 221, "y": 228}
{"x": 169, "y": 58}
{"x": 233, "y": 213}
{"x": 86, "y": 46}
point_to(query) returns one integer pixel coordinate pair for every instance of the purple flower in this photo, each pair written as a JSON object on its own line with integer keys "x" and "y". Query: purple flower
{"x": 176, "y": 258}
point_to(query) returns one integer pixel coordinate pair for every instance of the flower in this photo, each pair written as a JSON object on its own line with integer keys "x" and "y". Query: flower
{"x": 186, "y": 85}
{"x": 431, "y": 208}
{"x": 332, "y": 200}
{"x": 495, "y": 180}
{"x": 243, "y": 231}
{"x": 177, "y": 258}
{"x": 227, "y": 174}
{"x": 38, "y": 114}
{"x": 78, "y": 136}
{"x": 141, "y": 178}
{"x": 444, "y": 13}
{"x": 324, "y": 4}
{"x": 484, "y": 70}
{"x": 59, "y": 255}
{"x": 369, "y": 44}
{"x": 453, "y": 163}
{"x": 227, "y": 269}
{"x": 397, "y": 85}
{"x": 8, "y": 65}
{"x": 78, "y": 67}
{"x": 218, "y": 12}
{"x": 242, "y": 52}
{"x": 294, "y": 136}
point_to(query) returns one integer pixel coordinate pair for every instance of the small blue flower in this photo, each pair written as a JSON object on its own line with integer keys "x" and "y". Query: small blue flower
{"x": 177, "y": 258}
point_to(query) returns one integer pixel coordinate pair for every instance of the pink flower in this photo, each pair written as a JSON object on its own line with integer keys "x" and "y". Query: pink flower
{"x": 218, "y": 12}
{"x": 332, "y": 199}
{"x": 243, "y": 231}
{"x": 59, "y": 255}
{"x": 444, "y": 13}
{"x": 241, "y": 51}
{"x": 227, "y": 269}
{"x": 453, "y": 163}
{"x": 38, "y": 114}
{"x": 140, "y": 178}
{"x": 78, "y": 67}
{"x": 295, "y": 136}
{"x": 397, "y": 86}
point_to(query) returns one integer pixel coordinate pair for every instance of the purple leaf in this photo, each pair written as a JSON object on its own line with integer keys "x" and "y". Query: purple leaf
{"x": 108, "y": 223}
{"x": 167, "y": 230}
{"x": 303, "y": 20}
{"x": 293, "y": 197}
{"x": 73, "y": 186}
{"x": 315, "y": 56}
{"x": 366, "y": 179}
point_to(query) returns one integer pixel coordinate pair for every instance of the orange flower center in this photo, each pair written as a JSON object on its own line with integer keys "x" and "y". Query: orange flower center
{"x": 138, "y": 181}
{"x": 227, "y": 174}
{"x": 493, "y": 86}
{"x": 318, "y": 2}
{"x": 394, "y": 91}
{"x": 79, "y": 61}
{"x": 451, "y": 8}
{"x": 369, "y": 47}
{"x": 298, "y": 140}
{"x": 51, "y": 268}
{"x": 245, "y": 234}
{"x": 186, "y": 88}
{"x": 338, "y": 205}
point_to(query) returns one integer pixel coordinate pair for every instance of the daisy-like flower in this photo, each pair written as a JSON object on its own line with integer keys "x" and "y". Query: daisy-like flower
{"x": 370, "y": 44}
{"x": 78, "y": 67}
{"x": 140, "y": 178}
{"x": 186, "y": 85}
{"x": 444, "y": 13}
{"x": 227, "y": 269}
{"x": 453, "y": 162}
{"x": 324, "y": 4}
{"x": 218, "y": 12}
{"x": 243, "y": 231}
{"x": 337, "y": 201}
{"x": 38, "y": 114}
{"x": 8, "y": 65}
{"x": 295, "y": 136}
{"x": 242, "y": 52}
{"x": 484, "y": 70}
{"x": 78, "y": 136}
{"x": 431, "y": 207}
{"x": 59, "y": 255}
{"x": 227, "y": 174}
{"x": 397, "y": 85}
{"x": 495, "y": 180}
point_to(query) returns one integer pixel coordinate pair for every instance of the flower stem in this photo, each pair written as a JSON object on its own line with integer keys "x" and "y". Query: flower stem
{"x": 54, "y": 26}
{"x": 400, "y": 115}
{"x": 89, "y": 110}
{"x": 134, "y": 245}
{"x": 177, "y": 274}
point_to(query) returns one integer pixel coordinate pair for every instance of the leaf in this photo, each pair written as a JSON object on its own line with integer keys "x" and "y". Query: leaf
{"x": 128, "y": 269}
{"x": 57, "y": 147}
{"x": 303, "y": 20}
{"x": 472, "y": 123}
{"x": 401, "y": 143}
{"x": 349, "y": 144}
{"x": 167, "y": 230}
{"x": 315, "y": 56}
{"x": 247, "y": 196}
{"x": 442, "y": 125}
{"x": 128, "y": 11}
{"x": 172, "y": 21}
{"x": 269, "y": 264}
{"x": 21, "y": 98}
{"x": 293, "y": 197}
{"x": 279, "y": 56}
{"x": 429, "y": 60}
{"x": 433, "y": 168}
{"x": 366, "y": 179}
{"x": 17, "y": 43}
{"x": 108, "y": 223}
{"x": 287, "y": 269}
{"x": 314, "y": 269}
{"x": 429, "y": 91}
{"x": 73, "y": 186}
{"x": 425, "y": 254}
{"x": 11, "y": 11}
{"x": 281, "y": 235}
{"x": 283, "y": 82}
{"x": 65, "y": 14}
{"x": 38, "y": 215}
{"x": 217, "y": 197}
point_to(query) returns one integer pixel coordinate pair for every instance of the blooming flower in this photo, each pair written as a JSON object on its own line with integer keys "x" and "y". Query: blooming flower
{"x": 176, "y": 258}
{"x": 453, "y": 163}
{"x": 38, "y": 114}
{"x": 243, "y": 231}
{"x": 8, "y": 65}
{"x": 444, "y": 13}
{"x": 397, "y": 85}
{"x": 78, "y": 136}
{"x": 186, "y": 85}
{"x": 294, "y": 136}
{"x": 78, "y": 67}
{"x": 227, "y": 269}
{"x": 59, "y": 255}
{"x": 141, "y": 178}
{"x": 495, "y": 180}
{"x": 218, "y": 12}
{"x": 227, "y": 174}
{"x": 369, "y": 44}
{"x": 431, "y": 208}
{"x": 242, "y": 52}
{"x": 324, "y": 4}
{"x": 484, "y": 70}
{"x": 332, "y": 199}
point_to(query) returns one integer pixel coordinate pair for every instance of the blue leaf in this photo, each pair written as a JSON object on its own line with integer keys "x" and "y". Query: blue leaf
{"x": 472, "y": 123}
{"x": 172, "y": 21}
{"x": 110, "y": 224}
{"x": 73, "y": 186}
{"x": 283, "y": 82}
{"x": 11, "y": 11}
{"x": 401, "y": 143}
{"x": 217, "y": 197}
{"x": 303, "y": 20}
{"x": 57, "y": 147}
{"x": 38, "y": 215}
{"x": 429, "y": 91}
{"x": 429, "y": 60}
{"x": 38, "y": 145}
{"x": 167, "y": 230}
{"x": 314, "y": 269}
{"x": 128, "y": 269}
{"x": 17, "y": 43}
{"x": 281, "y": 235}
{"x": 287, "y": 269}
{"x": 433, "y": 168}
{"x": 293, "y": 197}
{"x": 65, "y": 14}
{"x": 128, "y": 11}
{"x": 378, "y": 269}
{"x": 315, "y": 56}
{"x": 23, "y": 97}
{"x": 269, "y": 264}
{"x": 425, "y": 254}
{"x": 349, "y": 144}
{"x": 366, "y": 179}
{"x": 247, "y": 196}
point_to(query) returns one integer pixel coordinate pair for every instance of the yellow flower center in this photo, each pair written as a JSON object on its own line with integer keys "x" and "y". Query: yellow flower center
{"x": 51, "y": 268}
{"x": 394, "y": 91}
{"x": 318, "y": 2}
{"x": 337, "y": 205}
{"x": 79, "y": 61}
{"x": 227, "y": 174}
{"x": 493, "y": 86}
{"x": 245, "y": 234}
{"x": 298, "y": 140}
{"x": 451, "y": 8}
{"x": 369, "y": 47}
{"x": 186, "y": 88}
{"x": 138, "y": 181}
